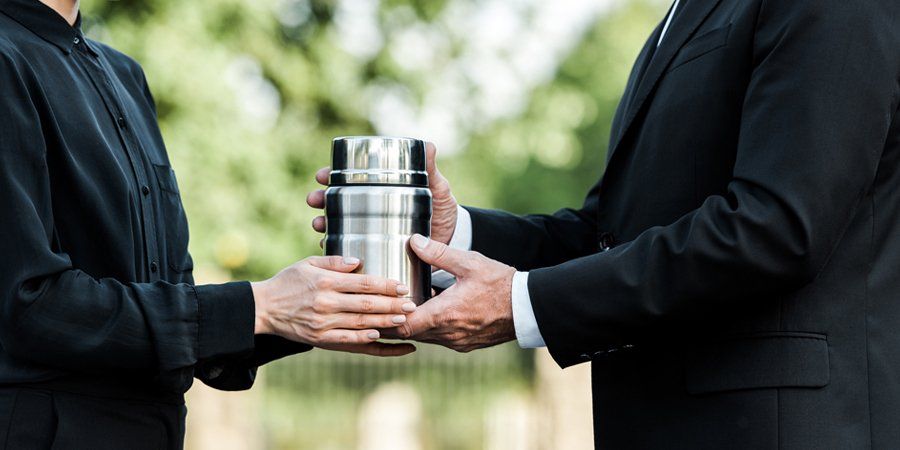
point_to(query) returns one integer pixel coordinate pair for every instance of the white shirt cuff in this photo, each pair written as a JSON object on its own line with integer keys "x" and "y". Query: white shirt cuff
{"x": 461, "y": 240}
{"x": 527, "y": 332}
{"x": 462, "y": 235}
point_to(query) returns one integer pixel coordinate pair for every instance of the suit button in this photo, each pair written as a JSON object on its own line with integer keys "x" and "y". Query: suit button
{"x": 154, "y": 267}
{"x": 585, "y": 357}
{"x": 607, "y": 240}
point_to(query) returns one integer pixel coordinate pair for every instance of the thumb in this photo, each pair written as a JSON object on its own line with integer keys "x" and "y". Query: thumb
{"x": 344, "y": 264}
{"x": 439, "y": 255}
{"x": 430, "y": 155}
{"x": 436, "y": 181}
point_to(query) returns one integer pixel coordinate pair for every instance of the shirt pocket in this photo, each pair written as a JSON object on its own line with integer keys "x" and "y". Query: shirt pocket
{"x": 759, "y": 361}
{"x": 175, "y": 225}
{"x": 700, "y": 46}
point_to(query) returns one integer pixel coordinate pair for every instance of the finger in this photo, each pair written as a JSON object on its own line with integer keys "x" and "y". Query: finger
{"x": 374, "y": 349}
{"x": 373, "y": 304}
{"x": 438, "y": 254}
{"x": 316, "y": 199}
{"x": 420, "y": 324}
{"x": 322, "y": 175}
{"x": 334, "y": 263}
{"x": 370, "y": 284}
{"x": 360, "y": 321}
{"x": 338, "y": 336}
{"x": 430, "y": 157}
{"x": 318, "y": 224}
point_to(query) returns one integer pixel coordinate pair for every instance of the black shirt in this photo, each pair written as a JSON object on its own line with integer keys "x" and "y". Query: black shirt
{"x": 96, "y": 290}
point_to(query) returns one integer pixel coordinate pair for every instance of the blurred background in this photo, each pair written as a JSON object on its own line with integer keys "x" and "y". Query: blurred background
{"x": 518, "y": 96}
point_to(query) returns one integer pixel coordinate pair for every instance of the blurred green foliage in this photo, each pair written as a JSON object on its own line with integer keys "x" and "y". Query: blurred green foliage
{"x": 245, "y": 174}
{"x": 250, "y": 94}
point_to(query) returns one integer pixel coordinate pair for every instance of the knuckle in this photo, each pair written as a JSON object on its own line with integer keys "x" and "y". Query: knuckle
{"x": 367, "y": 282}
{"x": 367, "y": 304}
{"x": 404, "y": 330}
{"x": 324, "y": 305}
{"x": 296, "y": 270}
{"x": 441, "y": 185}
{"x": 360, "y": 320}
{"x": 324, "y": 283}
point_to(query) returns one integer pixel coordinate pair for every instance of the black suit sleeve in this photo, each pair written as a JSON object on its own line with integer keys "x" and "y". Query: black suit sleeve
{"x": 816, "y": 117}
{"x": 537, "y": 240}
{"x": 57, "y": 316}
{"x": 239, "y": 373}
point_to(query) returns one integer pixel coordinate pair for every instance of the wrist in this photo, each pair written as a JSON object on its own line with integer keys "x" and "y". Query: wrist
{"x": 261, "y": 324}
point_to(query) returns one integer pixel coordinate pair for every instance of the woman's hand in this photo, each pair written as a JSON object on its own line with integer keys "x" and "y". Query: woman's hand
{"x": 318, "y": 302}
{"x": 444, "y": 212}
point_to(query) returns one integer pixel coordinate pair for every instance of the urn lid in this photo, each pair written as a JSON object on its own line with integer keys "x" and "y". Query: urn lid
{"x": 378, "y": 160}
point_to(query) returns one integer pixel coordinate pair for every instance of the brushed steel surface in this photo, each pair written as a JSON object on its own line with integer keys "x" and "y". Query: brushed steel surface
{"x": 377, "y": 199}
{"x": 374, "y": 224}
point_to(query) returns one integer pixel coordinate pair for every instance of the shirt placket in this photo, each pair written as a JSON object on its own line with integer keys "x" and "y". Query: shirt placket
{"x": 102, "y": 81}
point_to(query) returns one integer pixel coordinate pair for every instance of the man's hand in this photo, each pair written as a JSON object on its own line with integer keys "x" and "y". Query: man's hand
{"x": 474, "y": 313}
{"x": 443, "y": 218}
{"x": 318, "y": 302}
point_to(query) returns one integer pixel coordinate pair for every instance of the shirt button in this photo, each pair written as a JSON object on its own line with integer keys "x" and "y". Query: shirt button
{"x": 154, "y": 267}
{"x": 145, "y": 190}
{"x": 76, "y": 41}
{"x": 121, "y": 122}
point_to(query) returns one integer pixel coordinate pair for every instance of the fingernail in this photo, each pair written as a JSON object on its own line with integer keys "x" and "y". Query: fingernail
{"x": 419, "y": 241}
{"x": 402, "y": 290}
{"x": 398, "y": 319}
{"x": 373, "y": 335}
{"x": 351, "y": 261}
{"x": 408, "y": 307}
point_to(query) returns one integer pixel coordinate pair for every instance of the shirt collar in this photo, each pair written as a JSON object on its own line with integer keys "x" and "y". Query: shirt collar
{"x": 44, "y": 22}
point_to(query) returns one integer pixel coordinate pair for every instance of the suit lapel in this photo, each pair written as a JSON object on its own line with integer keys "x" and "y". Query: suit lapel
{"x": 681, "y": 29}
{"x": 637, "y": 73}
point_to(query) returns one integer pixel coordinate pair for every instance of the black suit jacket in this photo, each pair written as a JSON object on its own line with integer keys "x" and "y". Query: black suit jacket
{"x": 735, "y": 274}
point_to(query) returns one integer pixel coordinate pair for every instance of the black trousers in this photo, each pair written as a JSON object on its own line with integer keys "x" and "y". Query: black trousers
{"x": 46, "y": 419}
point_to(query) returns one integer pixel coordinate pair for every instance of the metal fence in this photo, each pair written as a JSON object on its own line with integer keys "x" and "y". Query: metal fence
{"x": 329, "y": 400}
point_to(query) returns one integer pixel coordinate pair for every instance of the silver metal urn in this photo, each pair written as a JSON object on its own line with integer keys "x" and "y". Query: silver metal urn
{"x": 377, "y": 198}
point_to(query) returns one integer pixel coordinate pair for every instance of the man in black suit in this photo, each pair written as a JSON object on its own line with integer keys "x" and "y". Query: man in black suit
{"x": 735, "y": 275}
